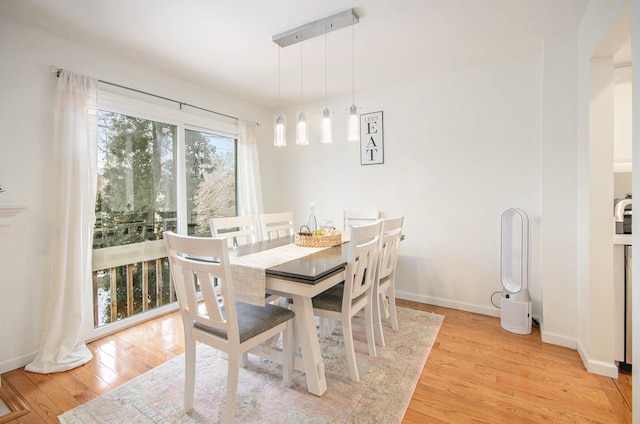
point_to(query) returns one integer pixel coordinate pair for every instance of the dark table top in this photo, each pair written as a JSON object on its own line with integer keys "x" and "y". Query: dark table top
{"x": 309, "y": 269}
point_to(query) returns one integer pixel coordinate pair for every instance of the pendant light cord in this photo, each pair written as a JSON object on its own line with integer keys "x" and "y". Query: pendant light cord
{"x": 325, "y": 67}
{"x": 353, "y": 65}
{"x": 301, "y": 84}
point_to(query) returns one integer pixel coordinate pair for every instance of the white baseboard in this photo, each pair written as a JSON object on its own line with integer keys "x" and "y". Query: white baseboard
{"x": 17, "y": 362}
{"x": 597, "y": 367}
{"x": 556, "y": 339}
{"x": 551, "y": 338}
{"x": 446, "y": 303}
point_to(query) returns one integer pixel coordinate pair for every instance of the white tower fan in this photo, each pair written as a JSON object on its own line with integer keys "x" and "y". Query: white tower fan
{"x": 515, "y": 305}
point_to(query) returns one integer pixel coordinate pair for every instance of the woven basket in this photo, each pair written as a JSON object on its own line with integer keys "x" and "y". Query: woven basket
{"x": 307, "y": 240}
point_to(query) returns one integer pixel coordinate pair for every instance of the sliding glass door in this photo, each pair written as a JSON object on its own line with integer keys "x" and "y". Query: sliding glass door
{"x": 154, "y": 175}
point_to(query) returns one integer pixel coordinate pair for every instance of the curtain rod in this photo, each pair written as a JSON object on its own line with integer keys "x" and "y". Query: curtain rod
{"x": 56, "y": 70}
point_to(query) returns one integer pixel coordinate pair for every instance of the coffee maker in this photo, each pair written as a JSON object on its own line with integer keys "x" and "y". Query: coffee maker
{"x": 623, "y": 215}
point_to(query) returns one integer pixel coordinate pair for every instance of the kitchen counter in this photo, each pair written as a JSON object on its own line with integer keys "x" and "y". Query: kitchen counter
{"x": 624, "y": 239}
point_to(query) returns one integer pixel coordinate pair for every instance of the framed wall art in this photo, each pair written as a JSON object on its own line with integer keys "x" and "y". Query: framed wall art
{"x": 371, "y": 139}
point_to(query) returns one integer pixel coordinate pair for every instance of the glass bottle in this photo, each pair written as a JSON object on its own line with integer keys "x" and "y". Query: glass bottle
{"x": 312, "y": 222}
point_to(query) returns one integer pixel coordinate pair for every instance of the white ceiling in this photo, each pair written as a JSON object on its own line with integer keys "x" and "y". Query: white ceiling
{"x": 226, "y": 45}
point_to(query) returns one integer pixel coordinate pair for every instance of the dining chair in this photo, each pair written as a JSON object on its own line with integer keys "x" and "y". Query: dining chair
{"x": 343, "y": 301}
{"x": 238, "y": 230}
{"x": 350, "y": 218}
{"x": 220, "y": 321}
{"x": 353, "y": 218}
{"x": 385, "y": 287}
{"x": 276, "y": 225}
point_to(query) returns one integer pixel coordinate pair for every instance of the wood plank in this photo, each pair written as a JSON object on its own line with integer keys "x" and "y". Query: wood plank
{"x": 477, "y": 372}
{"x": 14, "y": 402}
{"x": 624, "y": 386}
{"x": 39, "y": 402}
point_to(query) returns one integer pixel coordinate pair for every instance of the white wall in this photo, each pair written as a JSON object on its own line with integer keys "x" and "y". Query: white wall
{"x": 26, "y": 115}
{"x": 558, "y": 273}
{"x": 622, "y": 120}
{"x": 600, "y": 299}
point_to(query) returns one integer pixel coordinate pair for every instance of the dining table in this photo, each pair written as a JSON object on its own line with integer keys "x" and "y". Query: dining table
{"x": 300, "y": 280}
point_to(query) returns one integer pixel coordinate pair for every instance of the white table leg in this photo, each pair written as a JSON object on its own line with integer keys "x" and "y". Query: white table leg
{"x": 308, "y": 338}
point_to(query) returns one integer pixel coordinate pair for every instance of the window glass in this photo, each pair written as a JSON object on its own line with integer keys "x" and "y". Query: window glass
{"x": 135, "y": 203}
{"x": 136, "y": 198}
{"x": 210, "y": 167}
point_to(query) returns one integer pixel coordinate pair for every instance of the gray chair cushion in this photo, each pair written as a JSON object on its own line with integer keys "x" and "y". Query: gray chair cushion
{"x": 253, "y": 320}
{"x": 329, "y": 300}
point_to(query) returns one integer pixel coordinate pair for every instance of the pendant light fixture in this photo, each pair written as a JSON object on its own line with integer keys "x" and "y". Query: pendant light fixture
{"x": 325, "y": 126}
{"x": 280, "y": 124}
{"x": 353, "y": 124}
{"x": 302, "y": 129}
{"x": 297, "y": 35}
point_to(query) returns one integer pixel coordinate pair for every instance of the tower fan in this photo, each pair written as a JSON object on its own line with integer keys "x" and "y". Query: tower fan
{"x": 515, "y": 303}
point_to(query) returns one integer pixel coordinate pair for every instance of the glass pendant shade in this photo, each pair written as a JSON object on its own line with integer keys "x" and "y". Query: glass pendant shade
{"x": 353, "y": 126}
{"x": 302, "y": 130}
{"x": 280, "y": 131}
{"x": 325, "y": 127}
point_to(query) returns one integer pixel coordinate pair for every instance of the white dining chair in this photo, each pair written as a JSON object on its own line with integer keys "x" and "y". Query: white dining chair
{"x": 343, "y": 301}
{"x": 276, "y": 225}
{"x": 350, "y": 218}
{"x": 218, "y": 320}
{"x": 238, "y": 230}
{"x": 353, "y": 218}
{"x": 385, "y": 287}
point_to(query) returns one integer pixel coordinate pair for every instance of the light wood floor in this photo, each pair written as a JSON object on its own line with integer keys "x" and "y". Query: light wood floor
{"x": 476, "y": 373}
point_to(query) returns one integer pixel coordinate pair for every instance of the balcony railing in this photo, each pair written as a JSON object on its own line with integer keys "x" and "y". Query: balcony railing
{"x": 130, "y": 279}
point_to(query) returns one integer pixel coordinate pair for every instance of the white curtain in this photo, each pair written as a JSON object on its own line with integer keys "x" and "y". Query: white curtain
{"x": 72, "y": 215}
{"x": 249, "y": 187}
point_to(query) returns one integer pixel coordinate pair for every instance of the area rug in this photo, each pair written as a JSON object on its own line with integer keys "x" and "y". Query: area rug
{"x": 387, "y": 382}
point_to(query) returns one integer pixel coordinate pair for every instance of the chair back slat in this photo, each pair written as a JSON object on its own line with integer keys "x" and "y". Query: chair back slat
{"x": 204, "y": 277}
{"x": 362, "y": 260}
{"x": 238, "y": 230}
{"x": 276, "y": 225}
{"x": 355, "y": 218}
{"x": 390, "y": 245}
{"x": 184, "y": 279}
